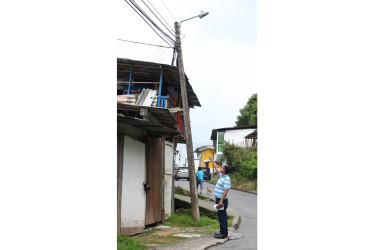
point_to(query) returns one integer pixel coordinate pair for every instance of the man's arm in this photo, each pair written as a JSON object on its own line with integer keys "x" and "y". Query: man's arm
{"x": 214, "y": 164}
{"x": 220, "y": 204}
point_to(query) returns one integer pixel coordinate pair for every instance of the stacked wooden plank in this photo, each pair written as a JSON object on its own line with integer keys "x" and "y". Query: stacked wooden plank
{"x": 126, "y": 99}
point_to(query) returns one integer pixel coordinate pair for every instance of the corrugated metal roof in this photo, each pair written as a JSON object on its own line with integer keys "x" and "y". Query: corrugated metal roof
{"x": 162, "y": 115}
{"x": 150, "y": 72}
{"x": 165, "y": 124}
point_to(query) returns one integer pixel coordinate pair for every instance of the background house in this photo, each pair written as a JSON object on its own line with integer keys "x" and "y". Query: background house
{"x": 203, "y": 154}
{"x": 147, "y": 134}
{"x": 234, "y": 135}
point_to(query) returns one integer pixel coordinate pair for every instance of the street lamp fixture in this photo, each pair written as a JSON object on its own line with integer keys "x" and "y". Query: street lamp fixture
{"x": 201, "y": 15}
{"x": 178, "y": 25}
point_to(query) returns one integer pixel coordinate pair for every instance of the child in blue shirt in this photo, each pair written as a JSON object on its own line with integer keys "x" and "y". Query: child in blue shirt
{"x": 200, "y": 179}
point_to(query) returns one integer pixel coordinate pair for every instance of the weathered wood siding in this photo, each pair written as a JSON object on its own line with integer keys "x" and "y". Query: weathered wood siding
{"x": 154, "y": 178}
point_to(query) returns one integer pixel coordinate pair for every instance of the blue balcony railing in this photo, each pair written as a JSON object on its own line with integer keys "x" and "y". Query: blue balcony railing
{"x": 161, "y": 101}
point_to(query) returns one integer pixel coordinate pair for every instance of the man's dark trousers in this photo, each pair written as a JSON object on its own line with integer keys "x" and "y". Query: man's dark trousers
{"x": 222, "y": 216}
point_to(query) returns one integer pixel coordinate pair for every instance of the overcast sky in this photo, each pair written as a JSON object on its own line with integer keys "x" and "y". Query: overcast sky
{"x": 219, "y": 53}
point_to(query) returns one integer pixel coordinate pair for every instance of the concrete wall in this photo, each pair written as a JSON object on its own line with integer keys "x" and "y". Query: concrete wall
{"x": 134, "y": 175}
{"x": 168, "y": 178}
{"x": 237, "y": 136}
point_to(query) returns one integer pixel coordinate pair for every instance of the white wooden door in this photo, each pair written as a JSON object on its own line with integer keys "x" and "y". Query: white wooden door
{"x": 133, "y": 194}
{"x": 168, "y": 181}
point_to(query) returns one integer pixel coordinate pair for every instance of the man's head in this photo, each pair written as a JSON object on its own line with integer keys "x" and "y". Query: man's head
{"x": 227, "y": 168}
{"x": 199, "y": 168}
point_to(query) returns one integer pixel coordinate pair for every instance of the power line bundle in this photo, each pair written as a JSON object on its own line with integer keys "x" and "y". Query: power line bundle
{"x": 151, "y": 23}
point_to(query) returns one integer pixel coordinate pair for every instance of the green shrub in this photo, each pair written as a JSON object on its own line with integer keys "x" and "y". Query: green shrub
{"x": 249, "y": 168}
{"x": 242, "y": 160}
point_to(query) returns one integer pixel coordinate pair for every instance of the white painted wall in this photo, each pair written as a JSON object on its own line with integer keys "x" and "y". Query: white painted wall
{"x": 237, "y": 136}
{"x": 197, "y": 164}
{"x": 134, "y": 174}
{"x": 168, "y": 179}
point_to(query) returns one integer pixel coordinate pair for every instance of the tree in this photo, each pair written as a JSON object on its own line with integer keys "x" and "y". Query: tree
{"x": 248, "y": 114}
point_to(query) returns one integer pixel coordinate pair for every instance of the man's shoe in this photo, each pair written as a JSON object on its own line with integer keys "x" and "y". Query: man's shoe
{"x": 217, "y": 232}
{"x": 220, "y": 236}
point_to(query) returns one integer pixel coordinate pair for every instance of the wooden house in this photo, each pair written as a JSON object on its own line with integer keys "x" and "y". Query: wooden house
{"x": 147, "y": 134}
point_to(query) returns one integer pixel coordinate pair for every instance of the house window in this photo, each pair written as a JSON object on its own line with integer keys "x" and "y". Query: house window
{"x": 207, "y": 164}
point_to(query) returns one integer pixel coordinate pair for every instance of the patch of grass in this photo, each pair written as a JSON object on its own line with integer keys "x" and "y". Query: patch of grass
{"x": 253, "y": 187}
{"x": 187, "y": 221}
{"x": 151, "y": 237}
{"x": 166, "y": 240}
{"x": 128, "y": 243}
{"x": 181, "y": 221}
{"x": 145, "y": 233}
{"x": 241, "y": 182}
{"x": 183, "y": 217}
{"x": 181, "y": 191}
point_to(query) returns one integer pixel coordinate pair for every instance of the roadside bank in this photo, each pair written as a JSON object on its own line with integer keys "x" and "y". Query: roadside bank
{"x": 239, "y": 183}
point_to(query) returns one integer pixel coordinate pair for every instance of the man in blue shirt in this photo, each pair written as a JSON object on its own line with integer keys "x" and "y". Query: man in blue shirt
{"x": 220, "y": 192}
{"x": 200, "y": 179}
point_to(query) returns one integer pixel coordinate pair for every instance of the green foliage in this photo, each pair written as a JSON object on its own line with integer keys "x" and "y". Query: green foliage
{"x": 241, "y": 160}
{"x": 248, "y": 114}
{"x": 127, "y": 243}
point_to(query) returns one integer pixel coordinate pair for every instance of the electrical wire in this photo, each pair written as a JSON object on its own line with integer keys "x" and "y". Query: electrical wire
{"x": 151, "y": 21}
{"x": 163, "y": 58}
{"x": 161, "y": 16}
{"x": 152, "y": 54}
{"x": 173, "y": 34}
{"x": 169, "y": 10}
{"x": 145, "y": 43}
{"x": 160, "y": 55}
{"x": 147, "y": 22}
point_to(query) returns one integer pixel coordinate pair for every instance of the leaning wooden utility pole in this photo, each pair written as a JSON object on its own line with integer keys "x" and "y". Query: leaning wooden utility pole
{"x": 187, "y": 127}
